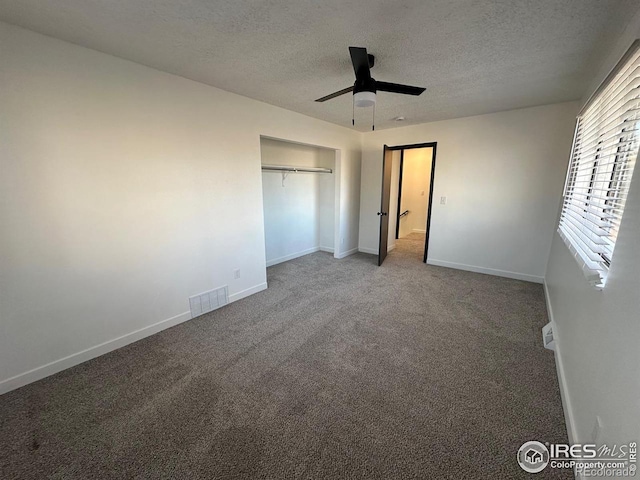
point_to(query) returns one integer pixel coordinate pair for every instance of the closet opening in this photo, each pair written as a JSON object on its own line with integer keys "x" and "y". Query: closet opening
{"x": 299, "y": 199}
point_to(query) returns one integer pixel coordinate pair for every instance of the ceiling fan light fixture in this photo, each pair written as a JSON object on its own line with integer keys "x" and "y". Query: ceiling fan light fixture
{"x": 364, "y": 99}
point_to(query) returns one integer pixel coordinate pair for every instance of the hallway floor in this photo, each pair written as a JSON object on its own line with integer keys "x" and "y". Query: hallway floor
{"x": 411, "y": 245}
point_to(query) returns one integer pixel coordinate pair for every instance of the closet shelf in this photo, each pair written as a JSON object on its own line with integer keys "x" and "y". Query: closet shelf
{"x": 291, "y": 168}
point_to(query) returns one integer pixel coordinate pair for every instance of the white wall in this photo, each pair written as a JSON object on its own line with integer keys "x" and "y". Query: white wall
{"x": 416, "y": 179}
{"x": 327, "y": 201}
{"x": 502, "y": 174}
{"x": 299, "y": 212}
{"x": 598, "y": 332}
{"x": 123, "y": 191}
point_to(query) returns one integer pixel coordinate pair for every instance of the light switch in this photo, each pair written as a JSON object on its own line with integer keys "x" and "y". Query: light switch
{"x": 443, "y": 200}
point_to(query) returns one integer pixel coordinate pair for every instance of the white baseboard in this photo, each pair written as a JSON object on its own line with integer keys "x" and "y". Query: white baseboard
{"x": 347, "y": 253}
{"x": 372, "y": 251}
{"x": 56, "y": 366}
{"x": 489, "y": 271}
{"x": 391, "y": 247}
{"x": 286, "y": 258}
{"x": 249, "y": 291}
{"x": 74, "y": 359}
{"x": 562, "y": 382}
{"x": 417, "y": 230}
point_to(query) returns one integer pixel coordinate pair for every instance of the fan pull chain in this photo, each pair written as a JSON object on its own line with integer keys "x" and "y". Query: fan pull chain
{"x": 373, "y": 119}
{"x": 353, "y": 111}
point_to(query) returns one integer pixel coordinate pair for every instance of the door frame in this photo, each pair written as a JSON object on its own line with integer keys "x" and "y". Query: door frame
{"x": 399, "y": 194}
{"x": 402, "y": 148}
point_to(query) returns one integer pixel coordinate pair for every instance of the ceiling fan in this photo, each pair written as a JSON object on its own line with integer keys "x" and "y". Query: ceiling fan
{"x": 365, "y": 87}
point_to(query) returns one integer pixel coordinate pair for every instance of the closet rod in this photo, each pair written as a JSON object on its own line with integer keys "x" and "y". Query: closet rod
{"x": 290, "y": 168}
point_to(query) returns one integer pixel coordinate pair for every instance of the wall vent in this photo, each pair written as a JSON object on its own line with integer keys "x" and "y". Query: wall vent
{"x": 208, "y": 301}
{"x": 547, "y": 337}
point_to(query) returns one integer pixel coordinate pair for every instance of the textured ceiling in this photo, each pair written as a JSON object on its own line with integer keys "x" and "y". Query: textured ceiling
{"x": 473, "y": 56}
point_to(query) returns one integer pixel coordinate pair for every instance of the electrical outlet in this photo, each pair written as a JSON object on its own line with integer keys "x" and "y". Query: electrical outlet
{"x": 443, "y": 200}
{"x": 236, "y": 274}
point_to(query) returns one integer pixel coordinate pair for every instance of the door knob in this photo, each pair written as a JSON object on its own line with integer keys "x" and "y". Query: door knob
{"x": 382, "y": 214}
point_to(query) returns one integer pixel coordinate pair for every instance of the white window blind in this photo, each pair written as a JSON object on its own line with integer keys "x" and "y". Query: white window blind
{"x": 604, "y": 152}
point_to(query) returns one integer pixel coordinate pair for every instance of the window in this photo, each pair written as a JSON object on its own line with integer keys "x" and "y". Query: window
{"x": 605, "y": 147}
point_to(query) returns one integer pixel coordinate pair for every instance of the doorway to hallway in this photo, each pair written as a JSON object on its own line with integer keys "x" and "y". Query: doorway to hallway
{"x": 407, "y": 196}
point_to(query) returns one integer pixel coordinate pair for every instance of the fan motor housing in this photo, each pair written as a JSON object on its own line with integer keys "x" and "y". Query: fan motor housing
{"x": 365, "y": 85}
{"x": 372, "y": 60}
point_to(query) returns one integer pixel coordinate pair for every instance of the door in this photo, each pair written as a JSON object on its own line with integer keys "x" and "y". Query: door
{"x": 387, "y": 164}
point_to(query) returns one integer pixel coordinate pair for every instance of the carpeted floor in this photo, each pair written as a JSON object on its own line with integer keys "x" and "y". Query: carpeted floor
{"x": 341, "y": 369}
{"x": 411, "y": 246}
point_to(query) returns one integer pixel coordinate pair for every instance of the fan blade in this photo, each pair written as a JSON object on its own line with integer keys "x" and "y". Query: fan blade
{"x": 398, "y": 88}
{"x": 360, "y": 61}
{"x": 335, "y": 94}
